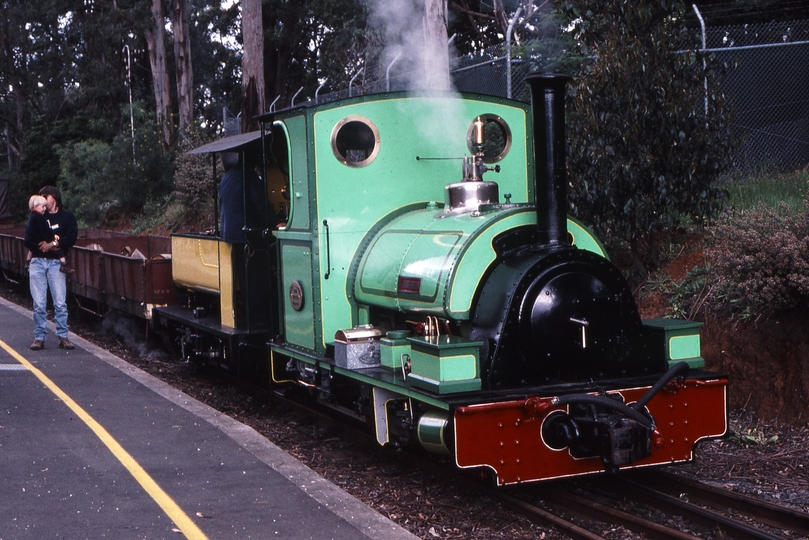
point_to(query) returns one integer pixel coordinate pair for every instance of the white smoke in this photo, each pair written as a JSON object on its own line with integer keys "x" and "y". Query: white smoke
{"x": 419, "y": 52}
{"x": 417, "y": 49}
{"x": 131, "y": 333}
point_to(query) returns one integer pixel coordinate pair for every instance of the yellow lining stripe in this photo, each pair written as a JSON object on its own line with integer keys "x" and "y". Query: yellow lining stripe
{"x": 174, "y": 512}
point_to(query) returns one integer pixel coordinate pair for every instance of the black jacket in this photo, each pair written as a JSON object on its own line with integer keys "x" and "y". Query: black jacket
{"x": 63, "y": 224}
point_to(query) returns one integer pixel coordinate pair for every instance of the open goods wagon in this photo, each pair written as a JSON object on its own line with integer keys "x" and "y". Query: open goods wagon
{"x": 112, "y": 270}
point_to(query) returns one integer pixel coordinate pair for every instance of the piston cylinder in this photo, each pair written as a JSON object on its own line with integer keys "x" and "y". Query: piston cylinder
{"x": 432, "y": 432}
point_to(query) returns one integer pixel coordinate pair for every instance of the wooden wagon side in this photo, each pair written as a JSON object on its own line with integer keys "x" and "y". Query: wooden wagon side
{"x": 126, "y": 272}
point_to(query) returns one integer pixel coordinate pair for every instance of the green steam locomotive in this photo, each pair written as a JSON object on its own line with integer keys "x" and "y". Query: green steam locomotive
{"x": 472, "y": 316}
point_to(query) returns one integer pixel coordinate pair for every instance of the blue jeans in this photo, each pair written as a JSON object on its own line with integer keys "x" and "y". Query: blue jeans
{"x": 44, "y": 274}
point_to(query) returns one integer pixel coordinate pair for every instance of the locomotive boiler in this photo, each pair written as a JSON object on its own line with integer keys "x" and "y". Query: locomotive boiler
{"x": 429, "y": 282}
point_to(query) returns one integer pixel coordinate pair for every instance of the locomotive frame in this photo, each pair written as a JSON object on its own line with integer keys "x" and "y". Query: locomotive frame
{"x": 404, "y": 293}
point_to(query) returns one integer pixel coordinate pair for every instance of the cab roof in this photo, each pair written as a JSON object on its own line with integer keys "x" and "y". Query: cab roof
{"x": 233, "y": 143}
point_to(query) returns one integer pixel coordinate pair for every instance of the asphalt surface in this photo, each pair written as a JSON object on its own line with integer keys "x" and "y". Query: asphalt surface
{"x": 92, "y": 447}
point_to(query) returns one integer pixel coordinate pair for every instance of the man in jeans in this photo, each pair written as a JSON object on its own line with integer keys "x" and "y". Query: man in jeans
{"x": 45, "y": 270}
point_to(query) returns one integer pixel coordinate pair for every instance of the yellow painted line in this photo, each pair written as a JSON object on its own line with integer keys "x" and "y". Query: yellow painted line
{"x": 175, "y": 513}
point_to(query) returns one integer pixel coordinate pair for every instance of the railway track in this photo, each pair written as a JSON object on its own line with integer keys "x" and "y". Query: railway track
{"x": 644, "y": 503}
{"x": 697, "y": 510}
{"x": 603, "y": 507}
{"x": 732, "y": 514}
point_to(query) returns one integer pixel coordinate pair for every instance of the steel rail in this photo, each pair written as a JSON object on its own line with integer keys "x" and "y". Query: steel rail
{"x": 729, "y": 526}
{"x": 774, "y": 515}
{"x": 590, "y": 509}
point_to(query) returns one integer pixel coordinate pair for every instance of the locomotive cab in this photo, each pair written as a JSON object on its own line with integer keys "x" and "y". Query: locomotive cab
{"x": 225, "y": 277}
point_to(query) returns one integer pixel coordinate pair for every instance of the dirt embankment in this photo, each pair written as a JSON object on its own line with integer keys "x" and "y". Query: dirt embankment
{"x": 766, "y": 360}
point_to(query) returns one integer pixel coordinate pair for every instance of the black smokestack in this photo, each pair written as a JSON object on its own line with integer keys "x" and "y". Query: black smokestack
{"x": 550, "y": 189}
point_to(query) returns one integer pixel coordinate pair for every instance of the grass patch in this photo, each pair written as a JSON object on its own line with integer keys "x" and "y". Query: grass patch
{"x": 772, "y": 189}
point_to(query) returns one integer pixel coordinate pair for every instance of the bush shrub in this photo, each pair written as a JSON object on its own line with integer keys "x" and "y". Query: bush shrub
{"x": 194, "y": 187}
{"x": 645, "y": 151}
{"x": 761, "y": 260}
{"x": 85, "y": 180}
{"x": 96, "y": 177}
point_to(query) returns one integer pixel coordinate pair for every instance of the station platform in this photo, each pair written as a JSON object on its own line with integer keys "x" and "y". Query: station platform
{"x": 92, "y": 447}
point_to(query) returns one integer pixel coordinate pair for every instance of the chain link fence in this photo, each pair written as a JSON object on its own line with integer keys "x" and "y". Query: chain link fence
{"x": 766, "y": 85}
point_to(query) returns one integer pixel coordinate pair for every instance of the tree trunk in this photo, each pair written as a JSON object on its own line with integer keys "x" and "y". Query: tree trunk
{"x": 436, "y": 55}
{"x": 182, "y": 58}
{"x": 253, "y": 90}
{"x": 276, "y": 70}
{"x": 155, "y": 40}
{"x": 500, "y": 15}
{"x": 14, "y": 135}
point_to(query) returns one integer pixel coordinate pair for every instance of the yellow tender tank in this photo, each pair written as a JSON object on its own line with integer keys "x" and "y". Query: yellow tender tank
{"x": 204, "y": 264}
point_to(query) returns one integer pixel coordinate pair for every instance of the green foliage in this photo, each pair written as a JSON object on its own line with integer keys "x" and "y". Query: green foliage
{"x": 217, "y": 68}
{"x": 192, "y": 202}
{"x": 69, "y": 88}
{"x": 472, "y": 22}
{"x": 340, "y": 40}
{"x": 643, "y": 155}
{"x": 757, "y": 259}
{"x": 66, "y": 105}
{"x": 96, "y": 176}
{"x": 159, "y": 215}
{"x": 687, "y": 297}
{"x": 762, "y": 260}
{"x": 86, "y": 188}
{"x": 753, "y": 437}
{"x": 40, "y": 165}
{"x": 308, "y": 41}
{"x": 555, "y": 51}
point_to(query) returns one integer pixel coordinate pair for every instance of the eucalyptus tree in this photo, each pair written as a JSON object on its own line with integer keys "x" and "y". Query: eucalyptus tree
{"x": 175, "y": 108}
{"x": 215, "y": 34}
{"x": 34, "y": 41}
{"x": 183, "y": 65}
{"x": 154, "y": 31}
{"x": 479, "y": 24}
{"x": 302, "y": 44}
{"x": 59, "y": 70}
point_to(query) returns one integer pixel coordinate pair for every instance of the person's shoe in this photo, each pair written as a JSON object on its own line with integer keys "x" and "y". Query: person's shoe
{"x": 37, "y": 345}
{"x": 65, "y": 343}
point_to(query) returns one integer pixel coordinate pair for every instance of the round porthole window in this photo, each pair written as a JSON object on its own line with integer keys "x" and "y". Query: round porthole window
{"x": 496, "y": 138}
{"x": 355, "y": 141}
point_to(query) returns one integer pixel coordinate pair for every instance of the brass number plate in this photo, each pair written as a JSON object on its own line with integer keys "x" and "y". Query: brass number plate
{"x": 296, "y": 295}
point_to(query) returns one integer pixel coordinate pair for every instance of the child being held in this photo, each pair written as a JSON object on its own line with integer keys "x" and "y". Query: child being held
{"x": 41, "y": 229}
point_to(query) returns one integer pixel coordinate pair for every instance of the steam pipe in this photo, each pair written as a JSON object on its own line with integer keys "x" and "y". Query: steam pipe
{"x": 351, "y": 82}
{"x": 387, "y": 72}
{"x": 319, "y": 87}
{"x": 676, "y": 370}
{"x": 550, "y": 189}
{"x": 607, "y": 403}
